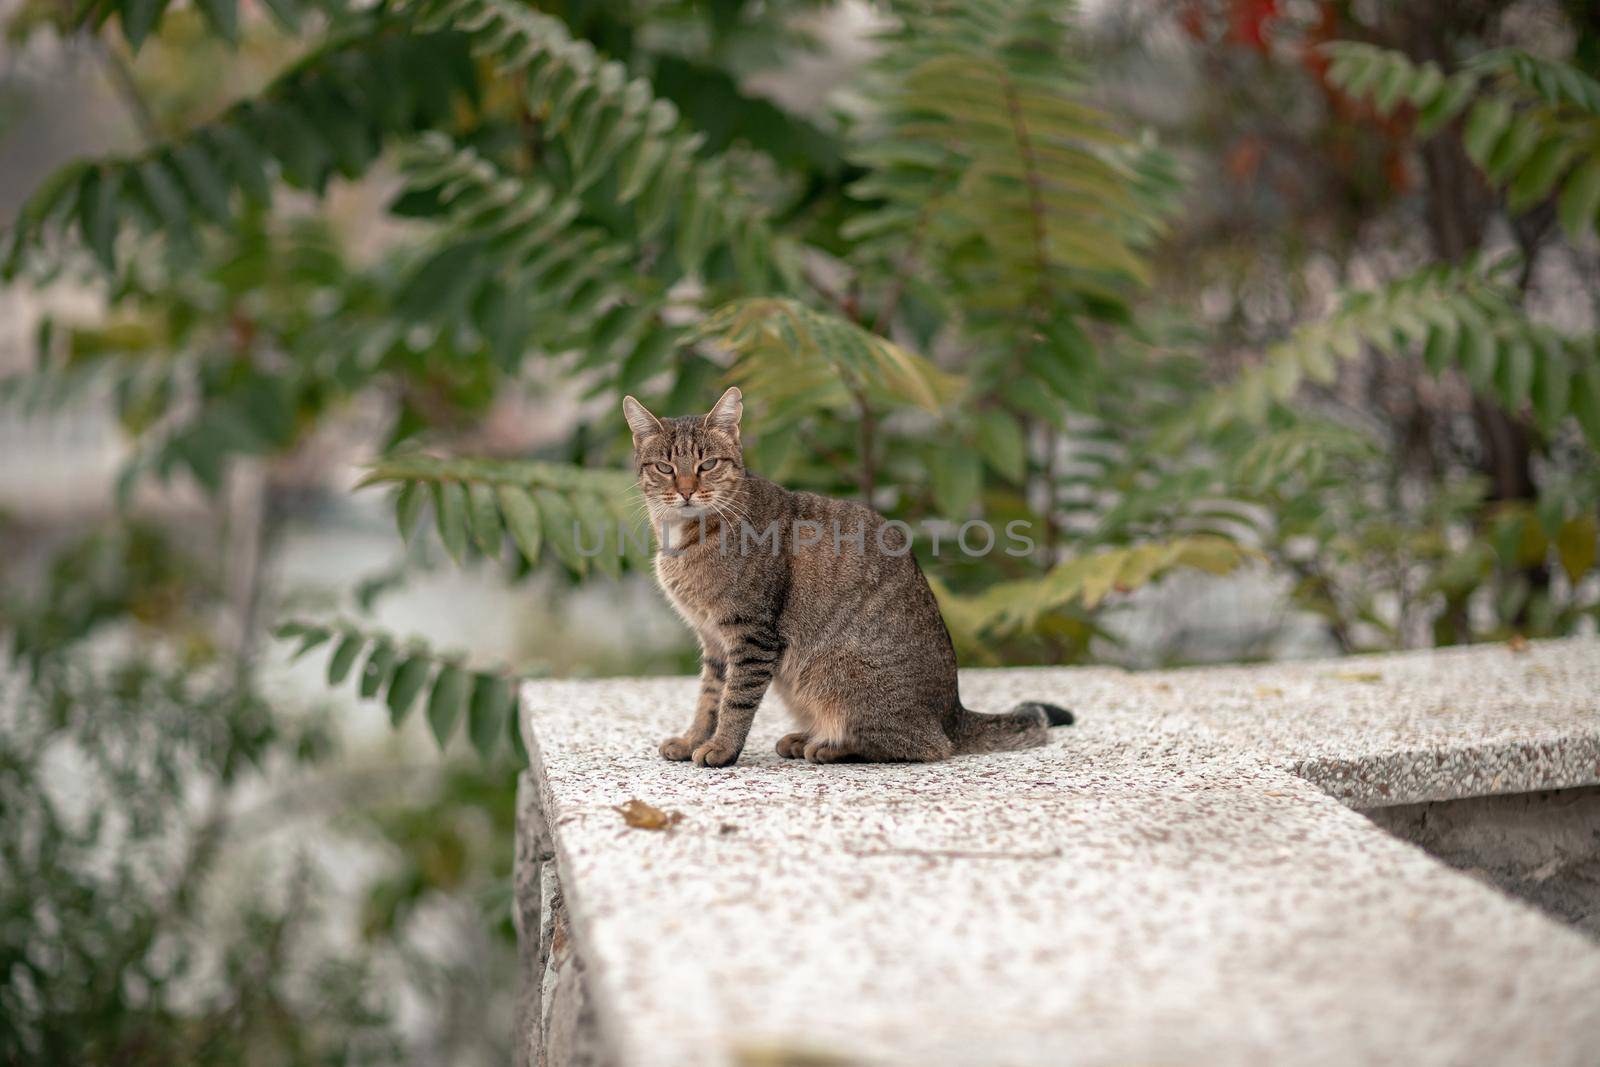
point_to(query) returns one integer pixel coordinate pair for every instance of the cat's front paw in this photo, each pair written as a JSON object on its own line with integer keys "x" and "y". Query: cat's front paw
{"x": 715, "y": 753}
{"x": 676, "y": 748}
{"x": 826, "y": 752}
{"x": 793, "y": 746}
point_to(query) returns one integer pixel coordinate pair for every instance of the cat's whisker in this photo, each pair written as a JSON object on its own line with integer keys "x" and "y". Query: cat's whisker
{"x": 728, "y": 513}
{"x": 721, "y": 511}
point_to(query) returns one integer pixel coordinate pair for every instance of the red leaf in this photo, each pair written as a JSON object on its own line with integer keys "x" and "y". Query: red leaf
{"x": 1248, "y": 22}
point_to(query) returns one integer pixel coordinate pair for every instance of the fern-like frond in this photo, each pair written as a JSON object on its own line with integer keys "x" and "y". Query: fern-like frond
{"x": 795, "y": 358}
{"x": 516, "y": 266}
{"x": 406, "y": 673}
{"x": 331, "y": 113}
{"x": 1086, "y": 580}
{"x": 1460, "y": 318}
{"x": 1274, "y": 460}
{"x": 585, "y": 517}
{"x": 987, "y": 166}
{"x": 1556, "y": 83}
{"x": 1029, "y": 182}
{"x": 140, "y": 18}
{"x": 194, "y": 389}
{"x": 171, "y": 406}
{"x": 1532, "y": 124}
{"x": 607, "y": 123}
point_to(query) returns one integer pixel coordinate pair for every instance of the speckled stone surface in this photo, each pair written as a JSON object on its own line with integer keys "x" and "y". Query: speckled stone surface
{"x": 1174, "y": 881}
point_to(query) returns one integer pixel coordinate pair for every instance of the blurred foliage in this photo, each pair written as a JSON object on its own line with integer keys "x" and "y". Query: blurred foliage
{"x": 409, "y": 674}
{"x": 135, "y": 748}
{"x": 1533, "y": 126}
{"x": 1463, "y": 320}
{"x": 981, "y": 286}
{"x": 586, "y": 518}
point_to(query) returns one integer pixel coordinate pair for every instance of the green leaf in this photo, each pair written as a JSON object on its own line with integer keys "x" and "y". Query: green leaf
{"x": 1512, "y": 149}
{"x": 59, "y": 193}
{"x": 1392, "y": 81}
{"x": 408, "y": 681}
{"x": 344, "y": 657}
{"x": 223, "y": 15}
{"x": 957, "y": 479}
{"x": 450, "y": 513}
{"x": 265, "y": 411}
{"x": 287, "y": 12}
{"x": 1485, "y": 126}
{"x": 408, "y": 501}
{"x": 1425, "y": 85}
{"x": 1441, "y": 344}
{"x": 375, "y": 672}
{"x": 485, "y": 517}
{"x": 1538, "y": 176}
{"x": 242, "y": 158}
{"x": 514, "y": 728}
{"x": 1552, "y": 387}
{"x": 1478, "y": 354}
{"x": 1355, "y": 66}
{"x": 138, "y": 18}
{"x": 164, "y": 197}
{"x": 1513, "y": 377}
{"x": 598, "y": 529}
{"x": 486, "y": 715}
{"x": 1551, "y": 511}
{"x": 97, "y": 214}
{"x": 1586, "y": 402}
{"x": 1508, "y": 533}
{"x": 443, "y": 285}
{"x": 1049, "y": 370}
{"x": 1003, "y": 444}
{"x": 313, "y": 636}
{"x": 1458, "y": 89}
{"x": 204, "y": 182}
{"x": 1580, "y": 200}
{"x": 522, "y": 519}
{"x": 287, "y": 133}
{"x": 558, "y": 522}
{"x": 449, "y": 695}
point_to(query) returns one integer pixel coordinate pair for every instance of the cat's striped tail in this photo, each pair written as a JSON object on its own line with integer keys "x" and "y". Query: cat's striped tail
{"x": 1024, "y": 726}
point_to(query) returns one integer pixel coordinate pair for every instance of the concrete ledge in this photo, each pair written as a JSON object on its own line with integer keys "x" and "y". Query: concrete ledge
{"x": 1542, "y": 847}
{"x": 1173, "y": 881}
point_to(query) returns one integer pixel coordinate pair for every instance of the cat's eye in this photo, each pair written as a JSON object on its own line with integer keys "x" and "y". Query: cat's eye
{"x": 710, "y": 464}
{"x": 663, "y": 468}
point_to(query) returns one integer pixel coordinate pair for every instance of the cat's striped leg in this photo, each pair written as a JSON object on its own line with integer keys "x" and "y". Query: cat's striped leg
{"x": 713, "y": 673}
{"x": 752, "y": 661}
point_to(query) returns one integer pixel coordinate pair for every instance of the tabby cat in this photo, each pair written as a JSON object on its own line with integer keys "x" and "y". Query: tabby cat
{"x": 820, "y": 599}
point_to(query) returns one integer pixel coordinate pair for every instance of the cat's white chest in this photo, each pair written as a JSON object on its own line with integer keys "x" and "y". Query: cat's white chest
{"x": 677, "y": 580}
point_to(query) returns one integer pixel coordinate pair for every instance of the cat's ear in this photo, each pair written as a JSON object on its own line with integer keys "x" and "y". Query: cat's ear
{"x": 726, "y": 412}
{"x": 640, "y": 421}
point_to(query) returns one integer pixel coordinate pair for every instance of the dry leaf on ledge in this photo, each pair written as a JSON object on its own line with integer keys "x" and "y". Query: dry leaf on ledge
{"x": 642, "y": 816}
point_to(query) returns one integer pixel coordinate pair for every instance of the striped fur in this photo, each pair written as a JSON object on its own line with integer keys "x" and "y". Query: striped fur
{"x": 844, "y": 629}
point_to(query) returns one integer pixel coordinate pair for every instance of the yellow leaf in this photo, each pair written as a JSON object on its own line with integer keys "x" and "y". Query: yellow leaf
{"x": 1369, "y": 677}
{"x": 1575, "y": 545}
